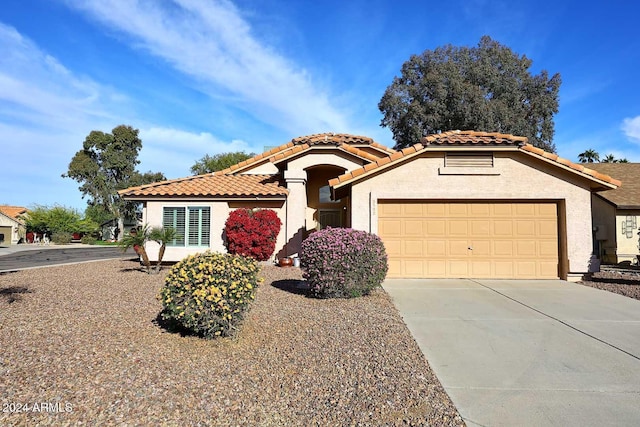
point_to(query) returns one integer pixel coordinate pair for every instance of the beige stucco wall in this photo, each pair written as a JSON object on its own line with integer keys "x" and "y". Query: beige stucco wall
{"x": 12, "y": 230}
{"x": 604, "y": 218}
{"x": 419, "y": 178}
{"x": 152, "y": 215}
{"x": 627, "y": 247}
{"x": 329, "y": 157}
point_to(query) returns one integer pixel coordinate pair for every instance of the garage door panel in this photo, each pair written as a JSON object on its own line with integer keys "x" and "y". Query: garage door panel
{"x": 393, "y": 247}
{"x": 501, "y": 239}
{"x": 436, "y": 248}
{"x": 436, "y": 227}
{"x": 503, "y": 228}
{"x": 458, "y": 248}
{"x": 413, "y": 210}
{"x": 547, "y": 228}
{"x": 503, "y": 248}
{"x": 413, "y": 228}
{"x": 480, "y": 228}
{"x": 525, "y": 228}
{"x": 458, "y": 268}
{"x": 390, "y": 227}
{"x": 457, "y": 227}
{"x": 413, "y": 248}
{"x": 481, "y": 248}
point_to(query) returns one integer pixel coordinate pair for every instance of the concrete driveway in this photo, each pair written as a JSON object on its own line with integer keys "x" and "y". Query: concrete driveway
{"x": 528, "y": 353}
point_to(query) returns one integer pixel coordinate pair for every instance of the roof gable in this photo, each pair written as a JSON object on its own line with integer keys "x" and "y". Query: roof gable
{"x": 455, "y": 140}
{"x": 344, "y": 142}
{"x": 13, "y": 212}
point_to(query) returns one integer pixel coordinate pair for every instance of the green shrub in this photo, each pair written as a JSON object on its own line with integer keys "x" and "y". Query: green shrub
{"x": 343, "y": 263}
{"x": 207, "y": 294}
{"x": 61, "y": 238}
{"x": 88, "y": 240}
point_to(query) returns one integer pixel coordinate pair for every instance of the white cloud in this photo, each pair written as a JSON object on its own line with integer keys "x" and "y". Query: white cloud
{"x": 631, "y": 128}
{"x": 211, "y": 42}
{"x": 174, "y": 151}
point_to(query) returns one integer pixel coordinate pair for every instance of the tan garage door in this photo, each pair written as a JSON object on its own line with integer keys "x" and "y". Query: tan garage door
{"x": 481, "y": 240}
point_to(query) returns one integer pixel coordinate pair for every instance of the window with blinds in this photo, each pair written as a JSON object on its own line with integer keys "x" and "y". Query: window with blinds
{"x": 192, "y": 225}
{"x": 468, "y": 160}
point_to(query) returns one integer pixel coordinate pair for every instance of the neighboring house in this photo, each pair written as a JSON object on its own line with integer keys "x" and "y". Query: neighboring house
{"x": 109, "y": 229}
{"x": 616, "y": 214}
{"x": 458, "y": 204}
{"x": 12, "y": 225}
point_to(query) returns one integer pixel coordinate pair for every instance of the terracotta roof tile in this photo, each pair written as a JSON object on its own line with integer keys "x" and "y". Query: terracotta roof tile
{"x": 13, "y": 211}
{"x": 627, "y": 195}
{"x": 473, "y": 139}
{"x": 467, "y": 137}
{"x": 210, "y": 185}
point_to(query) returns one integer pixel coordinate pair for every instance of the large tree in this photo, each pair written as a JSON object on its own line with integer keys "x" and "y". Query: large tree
{"x": 217, "y": 162}
{"x": 486, "y": 88}
{"x": 107, "y": 163}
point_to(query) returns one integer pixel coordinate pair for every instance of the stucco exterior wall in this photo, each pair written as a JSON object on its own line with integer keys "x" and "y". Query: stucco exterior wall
{"x": 627, "y": 242}
{"x": 524, "y": 178}
{"x": 152, "y": 215}
{"x": 12, "y": 230}
{"x": 332, "y": 158}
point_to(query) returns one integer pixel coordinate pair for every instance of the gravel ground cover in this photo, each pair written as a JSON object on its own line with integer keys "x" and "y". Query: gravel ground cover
{"x": 82, "y": 343}
{"x": 623, "y": 283}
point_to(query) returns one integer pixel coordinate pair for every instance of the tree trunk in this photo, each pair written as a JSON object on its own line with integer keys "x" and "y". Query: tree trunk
{"x": 160, "y": 255}
{"x": 145, "y": 258}
{"x": 120, "y": 227}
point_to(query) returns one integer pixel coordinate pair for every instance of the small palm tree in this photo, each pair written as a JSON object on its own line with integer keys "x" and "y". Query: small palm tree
{"x": 610, "y": 158}
{"x": 623, "y": 160}
{"x": 589, "y": 156}
{"x": 136, "y": 239}
{"x": 162, "y": 236}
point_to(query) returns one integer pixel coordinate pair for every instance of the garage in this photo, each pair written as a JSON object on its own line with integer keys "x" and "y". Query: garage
{"x": 5, "y": 236}
{"x": 462, "y": 239}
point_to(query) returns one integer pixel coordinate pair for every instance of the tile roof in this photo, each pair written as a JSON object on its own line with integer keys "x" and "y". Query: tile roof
{"x": 472, "y": 139}
{"x": 342, "y": 140}
{"x": 13, "y": 211}
{"x": 626, "y": 196}
{"x": 211, "y": 185}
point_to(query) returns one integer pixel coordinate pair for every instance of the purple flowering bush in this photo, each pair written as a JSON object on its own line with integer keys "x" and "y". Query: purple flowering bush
{"x": 343, "y": 263}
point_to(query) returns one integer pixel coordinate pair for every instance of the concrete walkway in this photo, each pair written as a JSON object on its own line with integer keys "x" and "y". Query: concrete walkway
{"x": 528, "y": 353}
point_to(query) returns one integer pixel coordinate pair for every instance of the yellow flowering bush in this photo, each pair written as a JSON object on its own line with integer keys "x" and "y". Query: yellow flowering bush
{"x": 208, "y": 293}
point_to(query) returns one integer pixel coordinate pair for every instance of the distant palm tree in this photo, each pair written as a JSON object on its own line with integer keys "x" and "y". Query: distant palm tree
{"x": 162, "y": 236}
{"x": 623, "y": 160}
{"x": 589, "y": 156}
{"x": 610, "y": 158}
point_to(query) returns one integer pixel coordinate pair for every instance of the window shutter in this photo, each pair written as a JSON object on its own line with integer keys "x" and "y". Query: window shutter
{"x": 175, "y": 218}
{"x": 199, "y": 220}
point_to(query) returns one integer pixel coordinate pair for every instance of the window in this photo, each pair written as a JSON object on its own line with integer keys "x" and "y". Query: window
{"x": 192, "y": 225}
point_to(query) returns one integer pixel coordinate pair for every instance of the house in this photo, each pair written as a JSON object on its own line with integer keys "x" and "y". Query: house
{"x": 457, "y": 204}
{"x": 616, "y": 214}
{"x": 12, "y": 225}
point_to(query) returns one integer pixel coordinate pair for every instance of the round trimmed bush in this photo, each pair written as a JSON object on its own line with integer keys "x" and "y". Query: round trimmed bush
{"x": 207, "y": 294}
{"x": 343, "y": 263}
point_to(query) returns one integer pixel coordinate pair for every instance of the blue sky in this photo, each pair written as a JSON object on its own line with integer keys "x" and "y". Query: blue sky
{"x": 202, "y": 77}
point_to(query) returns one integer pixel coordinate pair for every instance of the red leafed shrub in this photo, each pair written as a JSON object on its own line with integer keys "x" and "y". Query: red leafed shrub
{"x": 252, "y": 233}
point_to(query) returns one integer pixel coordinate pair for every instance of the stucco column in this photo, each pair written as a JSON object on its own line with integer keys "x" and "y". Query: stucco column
{"x": 296, "y": 209}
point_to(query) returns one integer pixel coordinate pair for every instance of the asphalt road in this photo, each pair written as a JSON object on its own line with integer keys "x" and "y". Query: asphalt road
{"x": 50, "y": 256}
